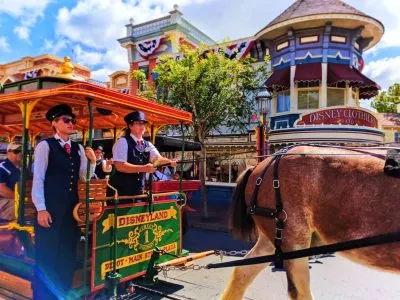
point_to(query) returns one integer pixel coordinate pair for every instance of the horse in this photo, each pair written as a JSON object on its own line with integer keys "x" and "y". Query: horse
{"x": 329, "y": 195}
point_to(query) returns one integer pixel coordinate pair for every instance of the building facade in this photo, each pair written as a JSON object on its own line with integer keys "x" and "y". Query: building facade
{"x": 316, "y": 84}
{"x": 316, "y": 50}
{"x": 31, "y": 67}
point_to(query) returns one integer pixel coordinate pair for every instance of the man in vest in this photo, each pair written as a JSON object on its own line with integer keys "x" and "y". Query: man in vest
{"x": 133, "y": 157}
{"x": 103, "y": 166}
{"x": 59, "y": 164}
{"x": 9, "y": 176}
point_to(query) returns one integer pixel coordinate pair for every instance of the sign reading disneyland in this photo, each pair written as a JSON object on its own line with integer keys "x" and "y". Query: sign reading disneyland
{"x": 138, "y": 233}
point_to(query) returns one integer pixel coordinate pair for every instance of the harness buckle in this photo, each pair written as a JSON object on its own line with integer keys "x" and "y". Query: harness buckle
{"x": 275, "y": 183}
{"x": 259, "y": 181}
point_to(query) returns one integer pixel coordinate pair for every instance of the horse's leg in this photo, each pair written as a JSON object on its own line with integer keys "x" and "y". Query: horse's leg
{"x": 298, "y": 279}
{"x": 242, "y": 277}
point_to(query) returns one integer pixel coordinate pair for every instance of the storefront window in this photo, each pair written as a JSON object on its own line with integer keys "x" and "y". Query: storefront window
{"x": 283, "y": 101}
{"x": 308, "y": 99}
{"x": 335, "y": 96}
{"x": 227, "y": 168}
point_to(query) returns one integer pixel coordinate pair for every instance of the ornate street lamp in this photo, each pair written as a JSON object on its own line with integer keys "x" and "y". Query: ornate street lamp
{"x": 263, "y": 100}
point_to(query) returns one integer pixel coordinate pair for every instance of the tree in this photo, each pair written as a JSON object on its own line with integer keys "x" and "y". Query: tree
{"x": 386, "y": 102}
{"x": 216, "y": 90}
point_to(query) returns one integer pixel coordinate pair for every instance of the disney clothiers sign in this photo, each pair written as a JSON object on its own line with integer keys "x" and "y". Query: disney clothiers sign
{"x": 344, "y": 116}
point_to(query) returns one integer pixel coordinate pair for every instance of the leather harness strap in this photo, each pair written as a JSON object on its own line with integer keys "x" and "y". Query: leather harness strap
{"x": 270, "y": 212}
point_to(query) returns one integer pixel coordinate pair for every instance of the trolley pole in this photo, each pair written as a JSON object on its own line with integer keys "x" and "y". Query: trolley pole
{"x": 85, "y": 259}
{"x": 21, "y": 208}
{"x": 181, "y": 164}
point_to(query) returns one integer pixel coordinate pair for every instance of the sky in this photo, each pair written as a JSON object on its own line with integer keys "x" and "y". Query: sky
{"x": 87, "y": 30}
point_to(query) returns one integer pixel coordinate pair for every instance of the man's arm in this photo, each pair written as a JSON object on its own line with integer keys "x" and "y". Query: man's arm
{"x": 5, "y": 191}
{"x": 155, "y": 156}
{"x": 126, "y": 167}
{"x": 41, "y": 162}
{"x": 120, "y": 159}
{"x": 83, "y": 166}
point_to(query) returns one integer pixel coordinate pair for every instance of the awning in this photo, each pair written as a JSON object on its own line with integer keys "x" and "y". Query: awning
{"x": 369, "y": 88}
{"x": 169, "y": 144}
{"x": 341, "y": 74}
{"x": 279, "y": 80}
{"x": 308, "y": 73}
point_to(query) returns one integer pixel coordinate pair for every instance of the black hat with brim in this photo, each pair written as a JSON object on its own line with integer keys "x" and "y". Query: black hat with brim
{"x": 137, "y": 116}
{"x": 99, "y": 147}
{"x": 58, "y": 111}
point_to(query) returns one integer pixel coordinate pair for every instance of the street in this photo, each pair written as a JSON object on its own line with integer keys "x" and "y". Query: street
{"x": 335, "y": 279}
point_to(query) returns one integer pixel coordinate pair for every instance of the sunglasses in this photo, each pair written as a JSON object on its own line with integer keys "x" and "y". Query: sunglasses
{"x": 68, "y": 120}
{"x": 16, "y": 151}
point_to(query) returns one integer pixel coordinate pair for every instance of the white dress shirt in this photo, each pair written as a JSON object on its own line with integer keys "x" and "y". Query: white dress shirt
{"x": 120, "y": 150}
{"x": 40, "y": 167}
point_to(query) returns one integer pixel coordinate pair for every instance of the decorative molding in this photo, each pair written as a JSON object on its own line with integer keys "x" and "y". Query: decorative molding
{"x": 281, "y": 61}
{"x": 310, "y": 55}
{"x": 339, "y": 54}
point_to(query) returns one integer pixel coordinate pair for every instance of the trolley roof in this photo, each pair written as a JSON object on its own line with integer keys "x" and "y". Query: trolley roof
{"x": 109, "y": 106}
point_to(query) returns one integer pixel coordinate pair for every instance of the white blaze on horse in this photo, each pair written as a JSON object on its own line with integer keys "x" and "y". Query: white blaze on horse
{"x": 328, "y": 199}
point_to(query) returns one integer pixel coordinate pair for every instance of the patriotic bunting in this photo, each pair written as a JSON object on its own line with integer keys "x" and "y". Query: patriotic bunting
{"x": 236, "y": 51}
{"x": 147, "y": 48}
{"x": 31, "y": 74}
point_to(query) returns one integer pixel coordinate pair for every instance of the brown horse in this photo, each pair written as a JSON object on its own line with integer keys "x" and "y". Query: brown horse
{"x": 330, "y": 195}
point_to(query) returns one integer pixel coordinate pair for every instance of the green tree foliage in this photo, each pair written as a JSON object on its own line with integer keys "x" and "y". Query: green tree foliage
{"x": 145, "y": 91}
{"x": 217, "y": 91}
{"x": 386, "y": 102}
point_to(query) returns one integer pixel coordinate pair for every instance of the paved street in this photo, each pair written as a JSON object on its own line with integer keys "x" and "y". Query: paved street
{"x": 335, "y": 279}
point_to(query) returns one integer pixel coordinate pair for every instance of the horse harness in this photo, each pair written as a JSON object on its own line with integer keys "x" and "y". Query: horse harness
{"x": 278, "y": 213}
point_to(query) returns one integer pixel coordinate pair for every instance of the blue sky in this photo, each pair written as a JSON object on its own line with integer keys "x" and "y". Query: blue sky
{"x": 87, "y": 29}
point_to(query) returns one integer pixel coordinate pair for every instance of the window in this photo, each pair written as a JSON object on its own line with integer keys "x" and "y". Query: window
{"x": 397, "y": 137}
{"x": 283, "y": 101}
{"x": 335, "y": 97}
{"x": 355, "y": 96}
{"x": 338, "y": 39}
{"x": 308, "y": 99}
{"x": 309, "y": 39}
{"x": 281, "y": 46}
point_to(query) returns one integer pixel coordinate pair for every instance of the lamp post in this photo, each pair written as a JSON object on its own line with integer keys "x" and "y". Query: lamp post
{"x": 263, "y": 100}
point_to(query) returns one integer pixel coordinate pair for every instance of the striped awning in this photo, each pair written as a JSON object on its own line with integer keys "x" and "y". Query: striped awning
{"x": 308, "y": 73}
{"x": 340, "y": 74}
{"x": 279, "y": 80}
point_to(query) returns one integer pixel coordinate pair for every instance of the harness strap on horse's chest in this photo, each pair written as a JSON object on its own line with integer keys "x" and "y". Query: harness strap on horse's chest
{"x": 270, "y": 212}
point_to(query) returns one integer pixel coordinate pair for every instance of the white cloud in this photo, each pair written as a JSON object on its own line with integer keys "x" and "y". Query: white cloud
{"x": 386, "y": 11}
{"x": 27, "y": 12}
{"x": 22, "y": 32}
{"x": 384, "y": 71}
{"x": 55, "y": 46}
{"x": 102, "y": 74}
{"x": 111, "y": 60}
{"x": 98, "y": 24}
{"x": 87, "y": 58}
{"x": 4, "y": 45}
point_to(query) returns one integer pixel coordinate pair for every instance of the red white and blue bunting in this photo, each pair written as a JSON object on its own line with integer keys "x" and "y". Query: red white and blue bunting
{"x": 236, "y": 51}
{"x": 31, "y": 74}
{"x": 147, "y": 48}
